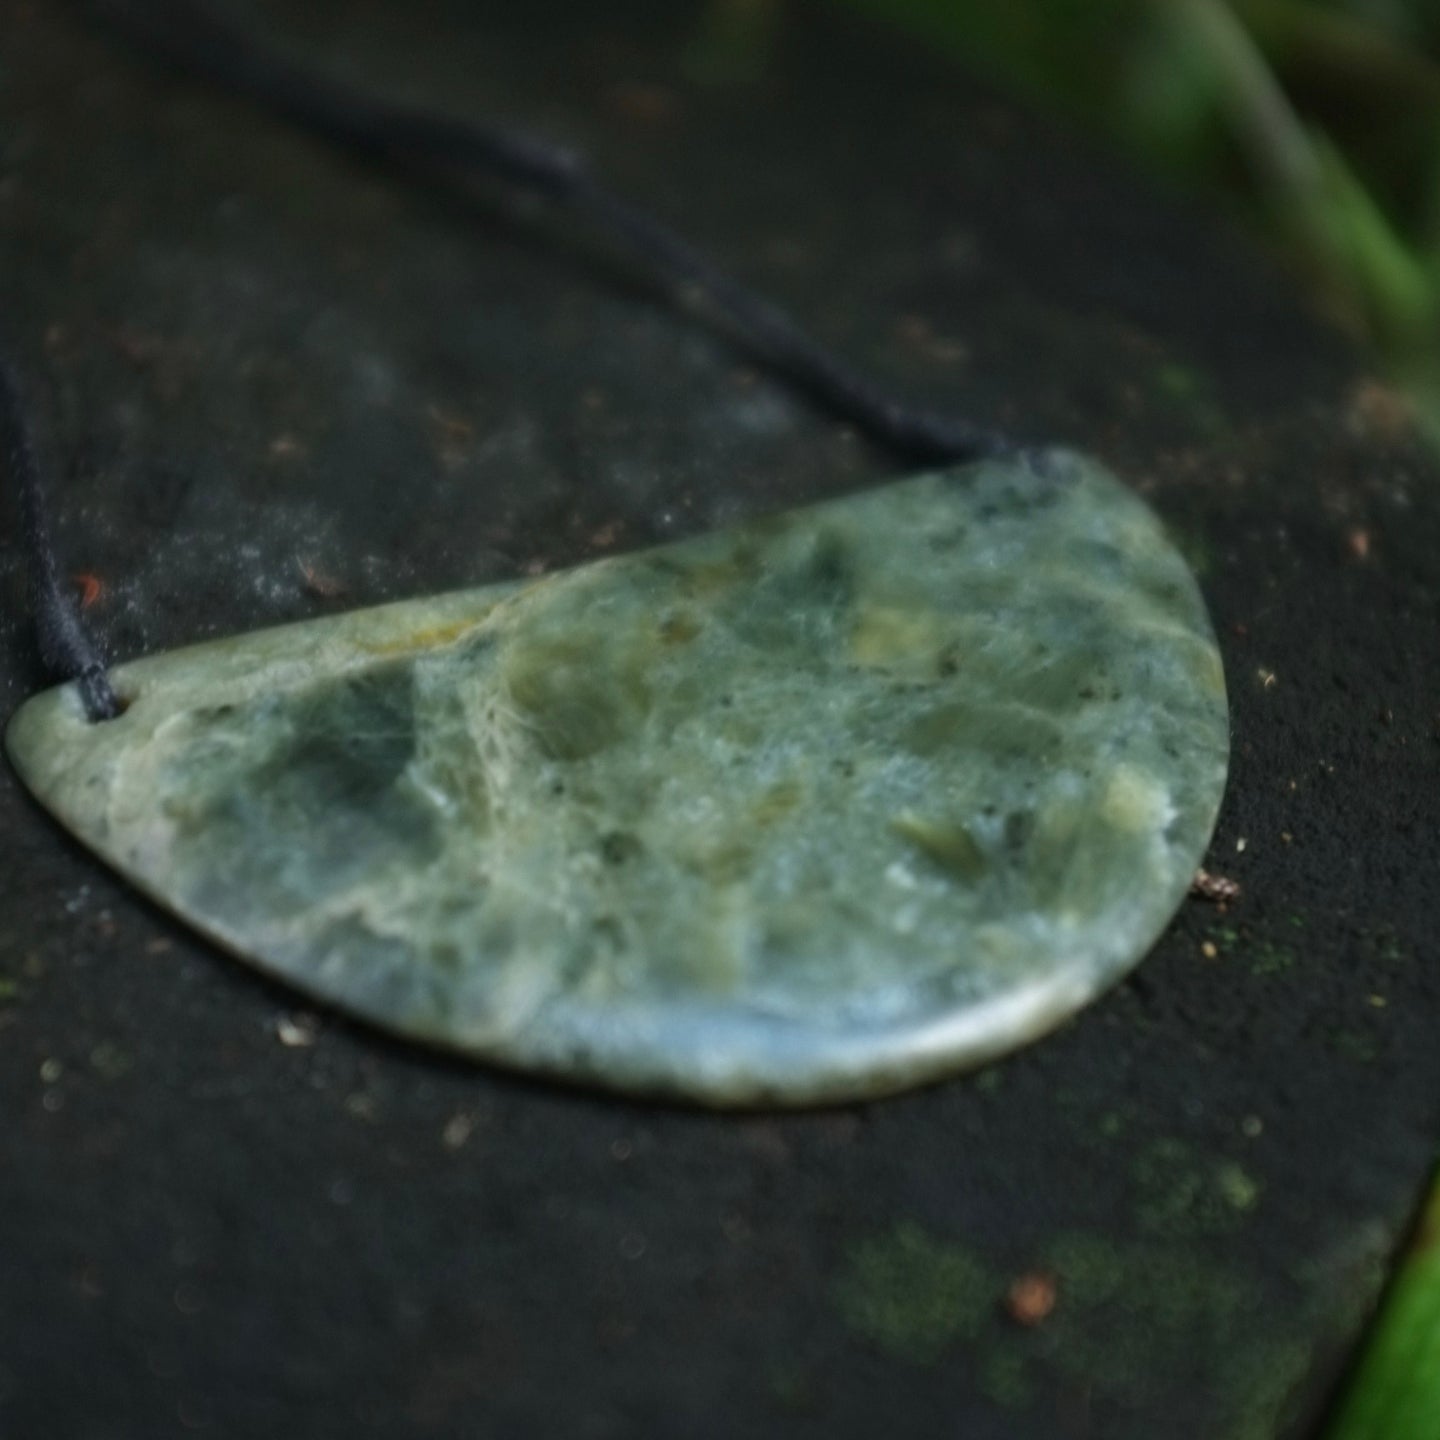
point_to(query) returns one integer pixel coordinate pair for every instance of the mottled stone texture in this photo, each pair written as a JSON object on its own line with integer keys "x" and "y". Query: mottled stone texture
{"x": 815, "y": 808}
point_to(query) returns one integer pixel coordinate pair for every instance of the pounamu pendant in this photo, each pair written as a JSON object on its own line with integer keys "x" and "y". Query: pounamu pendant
{"x": 816, "y": 808}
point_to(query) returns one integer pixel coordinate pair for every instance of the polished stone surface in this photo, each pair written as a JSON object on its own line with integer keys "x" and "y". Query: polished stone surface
{"x": 818, "y": 807}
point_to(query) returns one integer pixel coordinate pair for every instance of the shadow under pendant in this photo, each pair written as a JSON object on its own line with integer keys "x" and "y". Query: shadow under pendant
{"x": 817, "y": 808}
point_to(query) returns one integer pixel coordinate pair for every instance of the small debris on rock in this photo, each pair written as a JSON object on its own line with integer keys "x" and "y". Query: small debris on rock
{"x": 457, "y": 1130}
{"x": 1219, "y": 888}
{"x": 91, "y": 588}
{"x": 297, "y": 1032}
{"x": 317, "y": 582}
{"x": 1208, "y": 950}
{"x": 362, "y": 1106}
{"x": 1358, "y": 543}
{"x": 1031, "y": 1298}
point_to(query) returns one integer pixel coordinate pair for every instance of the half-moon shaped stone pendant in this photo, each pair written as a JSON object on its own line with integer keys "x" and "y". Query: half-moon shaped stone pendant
{"x": 817, "y": 808}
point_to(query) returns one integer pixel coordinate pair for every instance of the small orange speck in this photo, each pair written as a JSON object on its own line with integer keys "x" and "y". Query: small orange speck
{"x": 1359, "y": 542}
{"x": 1031, "y": 1298}
{"x": 91, "y": 588}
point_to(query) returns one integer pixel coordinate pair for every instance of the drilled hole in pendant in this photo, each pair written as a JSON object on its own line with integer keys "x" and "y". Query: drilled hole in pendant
{"x": 97, "y": 715}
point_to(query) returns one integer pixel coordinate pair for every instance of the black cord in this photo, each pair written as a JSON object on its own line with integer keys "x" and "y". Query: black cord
{"x": 65, "y": 646}
{"x": 192, "y": 36}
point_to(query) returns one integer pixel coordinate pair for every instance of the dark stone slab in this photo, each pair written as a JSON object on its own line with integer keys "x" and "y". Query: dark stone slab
{"x": 275, "y": 373}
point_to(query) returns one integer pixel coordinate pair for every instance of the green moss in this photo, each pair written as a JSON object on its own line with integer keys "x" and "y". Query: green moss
{"x": 1179, "y": 381}
{"x": 1180, "y": 1193}
{"x": 1264, "y": 955}
{"x": 1223, "y": 937}
{"x": 1354, "y": 1045}
{"x": 1268, "y": 958}
{"x": 1240, "y": 1190}
{"x": 1131, "y": 1321}
{"x": 912, "y": 1296}
{"x": 1131, "y": 1315}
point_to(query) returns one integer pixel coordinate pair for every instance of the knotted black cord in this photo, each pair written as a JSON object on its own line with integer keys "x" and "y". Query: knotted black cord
{"x": 65, "y": 646}
{"x": 193, "y": 37}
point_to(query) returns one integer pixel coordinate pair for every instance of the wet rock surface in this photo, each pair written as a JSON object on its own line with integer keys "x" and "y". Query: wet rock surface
{"x": 278, "y": 383}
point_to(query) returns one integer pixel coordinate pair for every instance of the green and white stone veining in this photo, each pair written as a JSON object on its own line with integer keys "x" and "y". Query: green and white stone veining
{"x": 819, "y": 807}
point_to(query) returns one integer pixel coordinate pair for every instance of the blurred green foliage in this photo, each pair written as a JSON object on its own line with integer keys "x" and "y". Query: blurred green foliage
{"x": 1319, "y": 119}
{"x": 1394, "y": 1393}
